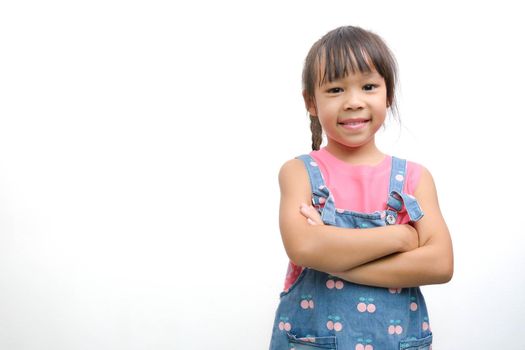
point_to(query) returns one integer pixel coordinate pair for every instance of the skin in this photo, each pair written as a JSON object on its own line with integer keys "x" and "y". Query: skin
{"x": 390, "y": 256}
{"x": 355, "y": 97}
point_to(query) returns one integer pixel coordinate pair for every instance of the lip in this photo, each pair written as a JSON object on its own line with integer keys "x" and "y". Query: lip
{"x": 354, "y": 123}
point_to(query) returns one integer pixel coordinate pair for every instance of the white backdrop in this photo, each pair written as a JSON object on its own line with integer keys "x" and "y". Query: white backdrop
{"x": 140, "y": 143}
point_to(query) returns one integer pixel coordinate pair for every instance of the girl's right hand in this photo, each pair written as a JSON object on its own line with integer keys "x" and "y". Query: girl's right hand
{"x": 311, "y": 214}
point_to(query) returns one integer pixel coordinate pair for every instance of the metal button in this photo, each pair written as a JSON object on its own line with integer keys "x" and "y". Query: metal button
{"x": 390, "y": 219}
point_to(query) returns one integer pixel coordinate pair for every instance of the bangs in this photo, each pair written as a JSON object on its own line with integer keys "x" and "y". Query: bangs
{"x": 334, "y": 63}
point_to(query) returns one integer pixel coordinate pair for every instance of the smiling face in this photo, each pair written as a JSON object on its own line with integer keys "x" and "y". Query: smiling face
{"x": 349, "y": 79}
{"x": 350, "y": 109}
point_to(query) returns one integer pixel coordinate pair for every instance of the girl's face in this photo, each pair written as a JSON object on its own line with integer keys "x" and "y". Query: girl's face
{"x": 350, "y": 109}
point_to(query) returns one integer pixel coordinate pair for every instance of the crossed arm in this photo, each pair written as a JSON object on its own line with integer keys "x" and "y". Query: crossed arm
{"x": 390, "y": 256}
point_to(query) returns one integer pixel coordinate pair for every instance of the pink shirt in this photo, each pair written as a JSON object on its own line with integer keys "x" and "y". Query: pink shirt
{"x": 361, "y": 188}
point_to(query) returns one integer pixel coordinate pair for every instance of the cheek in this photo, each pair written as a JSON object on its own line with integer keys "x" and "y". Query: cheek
{"x": 380, "y": 110}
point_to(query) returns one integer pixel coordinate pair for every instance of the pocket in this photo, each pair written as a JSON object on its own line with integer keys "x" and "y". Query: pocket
{"x": 311, "y": 342}
{"x": 416, "y": 343}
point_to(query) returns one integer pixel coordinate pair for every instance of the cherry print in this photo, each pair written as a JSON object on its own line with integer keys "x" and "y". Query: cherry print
{"x": 322, "y": 200}
{"x": 306, "y": 302}
{"x": 395, "y": 327}
{"x": 395, "y": 290}
{"x": 334, "y": 282}
{"x": 425, "y": 325}
{"x": 399, "y": 177}
{"x": 334, "y": 324}
{"x": 413, "y": 304}
{"x": 361, "y": 307}
{"x": 284, "y": 325}
{"x": 366, "y": 304}
{"x": 364, "y": 344}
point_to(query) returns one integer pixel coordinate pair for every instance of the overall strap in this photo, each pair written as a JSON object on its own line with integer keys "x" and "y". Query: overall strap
{"x": 397, "y": 198}
{"x": 321, "y": 196}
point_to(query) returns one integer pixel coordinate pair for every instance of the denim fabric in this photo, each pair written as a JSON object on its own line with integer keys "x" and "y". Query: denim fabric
{"x": 320, "y": 311}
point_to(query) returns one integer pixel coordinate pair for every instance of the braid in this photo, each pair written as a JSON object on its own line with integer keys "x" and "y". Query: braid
{"x": 317, "y": 133}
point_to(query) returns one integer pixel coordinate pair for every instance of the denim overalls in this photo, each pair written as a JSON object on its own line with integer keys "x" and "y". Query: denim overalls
{"x": 320, "y": 311}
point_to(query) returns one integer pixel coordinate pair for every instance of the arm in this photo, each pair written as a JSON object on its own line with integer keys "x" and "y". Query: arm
{"x": 431, "y": 263}
{"x": 330, "y": 248}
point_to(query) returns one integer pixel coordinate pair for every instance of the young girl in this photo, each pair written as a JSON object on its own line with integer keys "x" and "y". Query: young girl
{"x": 375, "y": 231}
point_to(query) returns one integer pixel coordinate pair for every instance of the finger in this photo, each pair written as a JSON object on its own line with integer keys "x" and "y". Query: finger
{"x": 309, "y": 212}
{"x": 311, "y": 222}
{"x": 304, "y": 209}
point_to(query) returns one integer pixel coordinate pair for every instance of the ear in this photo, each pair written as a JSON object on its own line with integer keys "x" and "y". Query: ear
{"x": 309, "y": 103}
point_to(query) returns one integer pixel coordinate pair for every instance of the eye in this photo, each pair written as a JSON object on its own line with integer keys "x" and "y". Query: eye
{"x": 335, "y": 90}
{"x": 369, "y": 87}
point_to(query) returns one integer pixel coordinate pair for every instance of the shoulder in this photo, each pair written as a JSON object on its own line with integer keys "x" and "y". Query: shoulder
{"x": 292, "y": 169}
{"x": 414, "y": 167}
{"x": 426, "y": 181}
{"x": 419, "y": 179}
{"x": 294, "y": 181}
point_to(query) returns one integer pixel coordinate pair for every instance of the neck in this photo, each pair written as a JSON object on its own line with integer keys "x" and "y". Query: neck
{"x": 367, "y": 154}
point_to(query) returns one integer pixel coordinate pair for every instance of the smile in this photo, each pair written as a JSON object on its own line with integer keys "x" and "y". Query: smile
{"x": 353, "y": 124}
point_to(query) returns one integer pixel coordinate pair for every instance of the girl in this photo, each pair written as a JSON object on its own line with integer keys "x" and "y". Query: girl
{"x": 375, "y": 231}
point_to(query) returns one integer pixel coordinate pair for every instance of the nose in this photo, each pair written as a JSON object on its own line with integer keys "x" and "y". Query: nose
{"x": 353, "y": 101}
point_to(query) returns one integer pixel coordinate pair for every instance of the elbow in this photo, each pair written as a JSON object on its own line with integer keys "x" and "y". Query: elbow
{"x": 446, "y": 276}
{"x": 450, "y": 272}
{"x": 299, "y": 254}
{"x": 446, "y": 272}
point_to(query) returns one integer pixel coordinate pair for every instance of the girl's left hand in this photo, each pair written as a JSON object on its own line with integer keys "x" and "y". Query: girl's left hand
{"x": 311, "y": 215}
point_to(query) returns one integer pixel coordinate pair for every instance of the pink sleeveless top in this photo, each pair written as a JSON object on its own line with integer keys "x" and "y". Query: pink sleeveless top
{"x": 361, "y": 188}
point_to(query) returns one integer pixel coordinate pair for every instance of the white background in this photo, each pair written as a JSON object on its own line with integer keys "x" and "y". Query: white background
{"x": 140, "y": 143}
